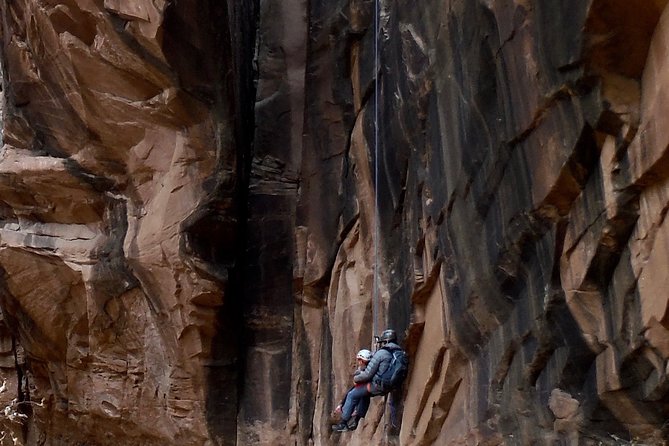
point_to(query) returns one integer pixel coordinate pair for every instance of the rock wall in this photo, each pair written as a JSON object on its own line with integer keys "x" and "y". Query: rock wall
{"x": 207, "y": 207}
{"x": 121, "y": 196}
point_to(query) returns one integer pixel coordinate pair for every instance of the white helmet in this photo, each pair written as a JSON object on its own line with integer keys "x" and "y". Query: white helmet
{"x": 364, "y": 354}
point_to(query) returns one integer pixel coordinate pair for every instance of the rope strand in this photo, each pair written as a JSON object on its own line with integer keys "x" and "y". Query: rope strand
{"x": 375, "y": 236}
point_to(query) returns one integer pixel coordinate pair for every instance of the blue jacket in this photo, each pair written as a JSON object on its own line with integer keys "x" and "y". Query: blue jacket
{"x": 379, "y": 363}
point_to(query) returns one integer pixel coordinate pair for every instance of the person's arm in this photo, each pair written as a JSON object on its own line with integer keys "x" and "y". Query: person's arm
{"x": 367, "y": 374}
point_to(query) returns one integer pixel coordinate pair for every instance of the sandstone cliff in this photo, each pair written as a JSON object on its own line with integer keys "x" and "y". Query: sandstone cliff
{"x": 200, "y": 222}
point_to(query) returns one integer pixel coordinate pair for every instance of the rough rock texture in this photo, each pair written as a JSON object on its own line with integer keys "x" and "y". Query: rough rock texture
{"x": 120, "y": 203}
{"x": 199, "y": 224}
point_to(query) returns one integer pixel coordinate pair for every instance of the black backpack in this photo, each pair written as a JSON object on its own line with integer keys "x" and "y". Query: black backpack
{"x": 393, "y": 377}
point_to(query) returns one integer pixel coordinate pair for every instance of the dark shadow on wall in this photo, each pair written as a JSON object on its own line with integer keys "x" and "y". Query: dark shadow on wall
{"x": 210, "y": 44}
{"x": 619, "y": 34}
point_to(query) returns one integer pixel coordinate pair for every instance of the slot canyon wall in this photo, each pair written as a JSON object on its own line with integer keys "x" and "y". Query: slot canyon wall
{"x": 194, "y": 202}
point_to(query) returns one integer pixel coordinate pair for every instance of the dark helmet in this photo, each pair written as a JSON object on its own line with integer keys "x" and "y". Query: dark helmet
{"x": 388, "y": 336}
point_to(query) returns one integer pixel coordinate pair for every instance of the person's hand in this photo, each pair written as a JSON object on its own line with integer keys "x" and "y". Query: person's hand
{"x": 338, "y": 409}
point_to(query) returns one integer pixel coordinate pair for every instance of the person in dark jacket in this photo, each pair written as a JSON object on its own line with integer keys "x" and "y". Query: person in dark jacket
{"x": 387, "y": 342}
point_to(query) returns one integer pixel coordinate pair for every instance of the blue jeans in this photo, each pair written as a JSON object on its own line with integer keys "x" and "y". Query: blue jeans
{"x": 358, "y": 399}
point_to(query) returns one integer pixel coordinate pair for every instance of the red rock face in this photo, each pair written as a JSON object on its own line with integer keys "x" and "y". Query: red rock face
{"x": 200, "y": 222}
{"x": 118, "y": 134}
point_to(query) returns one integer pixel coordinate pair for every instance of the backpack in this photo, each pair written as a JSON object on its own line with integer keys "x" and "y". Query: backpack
{"x": 393, "y": 377}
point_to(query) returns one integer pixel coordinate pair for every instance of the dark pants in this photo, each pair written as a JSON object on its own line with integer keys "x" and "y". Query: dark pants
{"x": 358, "y": 399}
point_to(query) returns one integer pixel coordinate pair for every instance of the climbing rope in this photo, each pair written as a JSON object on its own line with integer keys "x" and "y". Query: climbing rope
{"x": 375, "y": 236}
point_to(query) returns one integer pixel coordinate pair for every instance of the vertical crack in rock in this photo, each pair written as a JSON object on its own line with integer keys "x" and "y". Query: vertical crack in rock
{"x": 275, "y": 166}
{"x": 216, "y": 235}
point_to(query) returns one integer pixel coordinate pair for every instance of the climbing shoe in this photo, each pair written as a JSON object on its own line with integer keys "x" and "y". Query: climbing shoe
{"x": 341, "y": 427}
{"x": 353, "y": 423}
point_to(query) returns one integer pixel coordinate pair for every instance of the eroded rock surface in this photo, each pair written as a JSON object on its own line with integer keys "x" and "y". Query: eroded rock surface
{"x": 120, "y": 154}
{"x": 200, "y": 222}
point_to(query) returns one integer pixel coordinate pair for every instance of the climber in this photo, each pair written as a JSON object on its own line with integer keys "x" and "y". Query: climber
{"x": 376, "y": 371}
{"x": 353, "y": 408}
{"x": 374, "y": 375}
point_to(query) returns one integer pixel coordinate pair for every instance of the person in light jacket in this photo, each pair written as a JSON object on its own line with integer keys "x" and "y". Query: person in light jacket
{"x": 354, "y": 413}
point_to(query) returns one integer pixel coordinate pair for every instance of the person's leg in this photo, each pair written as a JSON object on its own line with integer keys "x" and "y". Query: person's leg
{"x": 363, "y": 405}
{"x": 352, "y": 399}
{"x": 360, "y": 411}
